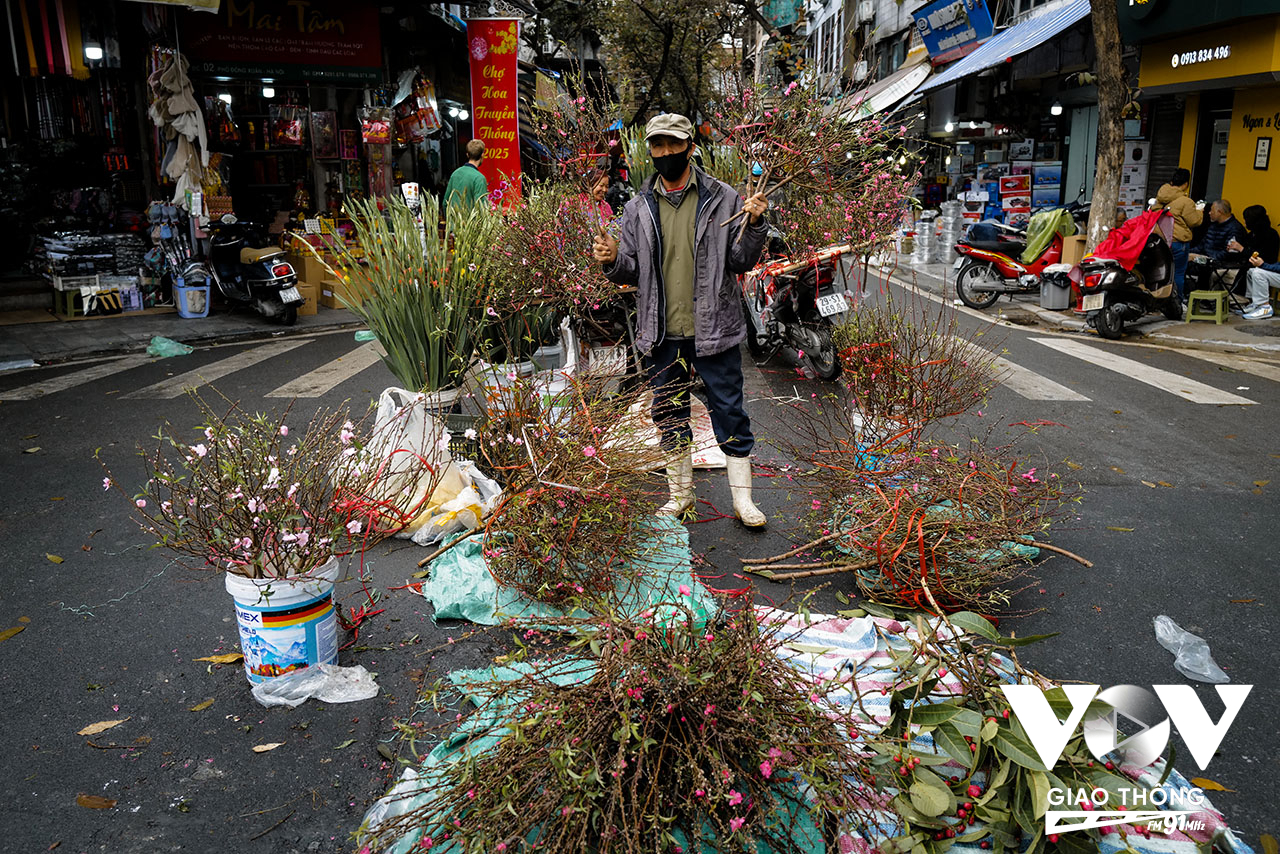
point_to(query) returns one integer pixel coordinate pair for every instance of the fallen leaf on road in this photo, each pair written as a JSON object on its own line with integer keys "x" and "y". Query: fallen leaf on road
{"x": 1165, "y": 484}
{"x": 100, "y": 726}
{"x": 1269, "y": 844}
{"x": 1209, "y": 785}
{"x": 386, "y": 753}
{"x": 95, "y": 802}
{"x": 1242, "y": 601}
{"x": 34, "y": 450}
{"x": 31, "y": 435}
{"x": 1148, "y": 483}
{"x": 54, "y": 558}
{"x": 270, "y": 745}
{"x": 24, "y": 619}
{"x": 1075, "y": 466}
{"x": 226, "y": 658}
{"x": 1117, "y": 469}
{"x": 200, "y": 707}
{"x": 58, "y": 498}
{"x": 345, "y": 744}
{"x": 1261, "y": 483}
{"x": 1121, "y": 530}
{"x": 8, "y": 633}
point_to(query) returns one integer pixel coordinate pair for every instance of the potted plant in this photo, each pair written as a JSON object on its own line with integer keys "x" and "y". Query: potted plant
{"x": 421, "y": 291}
{"x": 272, "y": 509}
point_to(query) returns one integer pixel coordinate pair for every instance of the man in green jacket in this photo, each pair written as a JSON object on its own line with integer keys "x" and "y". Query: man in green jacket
{"x": 467, "y": 185}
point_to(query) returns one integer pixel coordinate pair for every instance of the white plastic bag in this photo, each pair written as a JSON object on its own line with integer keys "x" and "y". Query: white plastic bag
{"x": 1192, "y": 652}
{"x": 405, "y": 437}
{"x": 463, "y": 497}
{"x": 328, "y": 683}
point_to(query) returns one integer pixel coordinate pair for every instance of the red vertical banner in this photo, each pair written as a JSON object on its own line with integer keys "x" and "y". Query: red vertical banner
{"x": 492, "y": 44}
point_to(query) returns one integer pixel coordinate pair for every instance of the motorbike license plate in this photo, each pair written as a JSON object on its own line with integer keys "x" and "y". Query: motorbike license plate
{"x": 832, "y": 304}
{"x": 1094, "y": 302}
{"x": 959, "y": 263}
{"x": 290, "y": 295}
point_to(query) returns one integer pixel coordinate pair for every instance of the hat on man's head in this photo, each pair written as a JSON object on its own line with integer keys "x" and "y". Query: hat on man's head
{"x": 669, "y": 124}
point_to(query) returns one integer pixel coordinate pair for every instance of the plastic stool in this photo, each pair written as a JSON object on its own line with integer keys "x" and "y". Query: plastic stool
{"x": 1219, "y": 300}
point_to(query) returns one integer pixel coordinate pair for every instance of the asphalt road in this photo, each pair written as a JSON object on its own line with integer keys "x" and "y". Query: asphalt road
{"x": 112, "y": 631}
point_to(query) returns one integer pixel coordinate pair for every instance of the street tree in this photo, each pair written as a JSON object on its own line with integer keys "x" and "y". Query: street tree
{"x": 1113, "y": 99}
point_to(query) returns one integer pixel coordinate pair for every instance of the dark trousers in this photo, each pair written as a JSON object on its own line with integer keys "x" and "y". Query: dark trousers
{"x": 668, "y": 367}
{"x": 1181, "y": 254}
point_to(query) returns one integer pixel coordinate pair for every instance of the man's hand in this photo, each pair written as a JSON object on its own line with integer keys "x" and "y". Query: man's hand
{"x": 1234, "y": 245}
{"x": 755, "y": 207}
{"x": 605, "y": 248}
{"x": 1256, "y": 260}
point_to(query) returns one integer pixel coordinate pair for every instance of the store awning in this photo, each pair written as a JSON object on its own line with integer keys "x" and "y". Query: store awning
{"x": 887, "y": 93}
{"x": 1011, "y": 42}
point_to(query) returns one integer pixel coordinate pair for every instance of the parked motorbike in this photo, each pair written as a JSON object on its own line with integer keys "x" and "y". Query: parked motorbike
{"x": 796, "y": 303}
{"x": 1129, "y": 275}
{"x": 991, "y": 266}
{"x": 252, "y": 273}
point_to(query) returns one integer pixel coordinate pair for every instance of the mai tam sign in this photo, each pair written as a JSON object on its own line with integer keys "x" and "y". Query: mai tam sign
{"x": 333, "y": 41}
{"x": 492, "y": 45}
{"x": 951, "y": 29}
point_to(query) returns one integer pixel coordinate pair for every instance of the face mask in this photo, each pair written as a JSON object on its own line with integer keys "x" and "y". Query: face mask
{"x": 672, "y": 166}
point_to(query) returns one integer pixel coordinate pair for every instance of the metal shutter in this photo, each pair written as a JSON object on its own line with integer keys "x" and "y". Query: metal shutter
{"x": 1166, "y": 141}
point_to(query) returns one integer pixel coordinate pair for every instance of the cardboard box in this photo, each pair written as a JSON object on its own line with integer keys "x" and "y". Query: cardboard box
{"x": 308, "y": 267}
{"x": 330, "y": 291}
{"x": 310, "y": 294}
{"x": 1015, "y": 184}
{"x": 1073, "y": 249}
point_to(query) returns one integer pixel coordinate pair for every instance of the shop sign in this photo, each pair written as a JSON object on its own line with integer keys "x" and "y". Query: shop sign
{"x": 953, "y": 28}
{"x": 492, "y": 45}
{"x": 1144, "y": 20}
{"x": 330, "y": 41}
{"x": 1237, "y": 51}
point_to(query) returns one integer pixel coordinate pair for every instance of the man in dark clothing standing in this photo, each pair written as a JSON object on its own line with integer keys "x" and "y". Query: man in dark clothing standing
{"x": 467, "y": 185}
{"x": 688, "y": 311}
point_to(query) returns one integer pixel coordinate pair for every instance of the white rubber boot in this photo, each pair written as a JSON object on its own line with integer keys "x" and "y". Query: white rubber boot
{"x": 740, "y": 487}
{"x": 680, "y": 483}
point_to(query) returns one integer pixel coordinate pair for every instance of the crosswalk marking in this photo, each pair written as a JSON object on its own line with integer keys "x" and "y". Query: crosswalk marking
{"x": 1266, "y": 370}
{"x": 326, "y": 377}
{"x": 1175, "y": 384}
{"x": 1023, "y": 381}
{"x": 73, "y": 379}
{"x": 177, "y": 386}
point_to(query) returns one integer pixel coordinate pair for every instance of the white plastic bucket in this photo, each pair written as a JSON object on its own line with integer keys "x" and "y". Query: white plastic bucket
{"x": 286, "y": 624}
{"x": 556, "y": 403}
{"x": 495, "y": 379}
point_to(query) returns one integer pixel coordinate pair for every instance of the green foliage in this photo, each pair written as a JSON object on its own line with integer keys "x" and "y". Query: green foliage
{"x": 422, "y": 293}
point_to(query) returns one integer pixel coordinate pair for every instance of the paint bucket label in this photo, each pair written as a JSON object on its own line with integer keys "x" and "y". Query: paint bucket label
{"x": 285, "y": 626}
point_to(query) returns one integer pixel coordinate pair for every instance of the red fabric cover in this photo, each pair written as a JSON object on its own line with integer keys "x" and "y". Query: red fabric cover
{"x": 1124, "y": 243}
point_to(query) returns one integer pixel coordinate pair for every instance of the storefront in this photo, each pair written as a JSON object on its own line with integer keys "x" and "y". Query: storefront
{"x": 1227, "y": 81}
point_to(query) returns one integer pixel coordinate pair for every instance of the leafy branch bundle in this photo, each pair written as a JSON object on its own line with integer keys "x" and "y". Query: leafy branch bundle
{"x": 577, "y": 479}
{"x": 980, "y": 781}
{"x": 683, "y": 737}
{"x": 250, "y": 496}
{"x": 846, "y": 181}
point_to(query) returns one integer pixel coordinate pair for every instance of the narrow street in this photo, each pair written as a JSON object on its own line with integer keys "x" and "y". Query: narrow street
{"x": 1175, "y": 451}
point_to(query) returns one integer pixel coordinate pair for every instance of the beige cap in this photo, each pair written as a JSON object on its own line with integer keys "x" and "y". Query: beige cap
{"x": 669, "y": 124}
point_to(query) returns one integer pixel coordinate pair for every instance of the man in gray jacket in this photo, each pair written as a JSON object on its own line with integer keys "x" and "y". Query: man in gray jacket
{"x": 688, "y": 311}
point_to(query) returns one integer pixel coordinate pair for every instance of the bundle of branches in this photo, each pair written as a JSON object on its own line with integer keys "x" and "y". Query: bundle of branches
{"x": 907, "y": 367}
{"x": 981, "y": 779}
{"x": 847, "y": 180}
{"x": 958, "y": 527}
{"x": 578, "y": 484}
{"x": 681, "y": 736}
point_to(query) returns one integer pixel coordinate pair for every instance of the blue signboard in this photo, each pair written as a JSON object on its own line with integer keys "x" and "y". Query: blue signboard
{"x": 952, "y": 28}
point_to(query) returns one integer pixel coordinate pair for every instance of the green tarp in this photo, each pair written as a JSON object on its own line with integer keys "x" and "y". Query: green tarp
{"x": 1041, "y": 229}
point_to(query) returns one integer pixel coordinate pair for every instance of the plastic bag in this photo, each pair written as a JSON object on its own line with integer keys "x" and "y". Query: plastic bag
{"x": 1193, "y": 659}
{"x": 410, "y": 447}
{"x": 366, "y": 335}
{"x": 328, "y": 683}
{"x": 165, "y": 347}
{"x": 462, "y": 498}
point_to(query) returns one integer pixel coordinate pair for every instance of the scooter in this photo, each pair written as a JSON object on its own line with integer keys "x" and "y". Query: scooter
{"x": 1129, "y": 275}
{"x": 252, "y": 273}
{"x": 796, "y": 303}
{"x": 988, "y": 268}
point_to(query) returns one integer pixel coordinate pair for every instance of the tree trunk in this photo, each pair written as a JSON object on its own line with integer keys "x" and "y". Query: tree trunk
{"x": 1113, "y": 93}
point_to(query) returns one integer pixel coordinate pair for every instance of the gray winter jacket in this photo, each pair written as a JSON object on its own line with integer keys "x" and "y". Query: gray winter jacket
{"x": 717, "y": 309}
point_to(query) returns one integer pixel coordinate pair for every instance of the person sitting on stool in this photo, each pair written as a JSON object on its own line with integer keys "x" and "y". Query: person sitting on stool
{"x": 1262, "y": 278}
